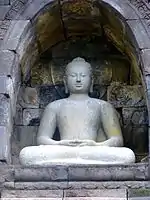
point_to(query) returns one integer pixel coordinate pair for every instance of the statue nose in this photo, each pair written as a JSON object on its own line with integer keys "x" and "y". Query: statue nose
{"x": 78, "y": 79}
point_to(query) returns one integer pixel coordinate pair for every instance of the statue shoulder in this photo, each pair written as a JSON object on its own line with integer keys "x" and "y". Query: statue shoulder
{"x": 104, "y": 104}
{"x": 55, "y": 105}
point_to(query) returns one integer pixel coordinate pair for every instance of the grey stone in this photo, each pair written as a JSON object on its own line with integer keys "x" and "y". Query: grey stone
{"x": 4, "y": 24}
{"x": 28, "y": 97}
{"x": 32, "y": 8}
{"x": 51, "y": 93}
{"x": 32, "y": 194}
{"x": 141, "y": 34}
{"x": 138, "y": 194}
{"x": 100, "y": 173}
{"x": 6, "y": 85}
{"x": 146, "y": 60}
{"x": 88, "y": 173}
{"x": 3, "y": 11}
{"x": 7, "y": 88}
{"x": 16, "y": 75}
{"x": 124, "y": 8}
{"x": 138, "y": 198}
{"x": 54, "y": 185}
{"x": 16, "y": 6}
{"x": 117, "y": 193}
{"x": 53, "y": 173}
{"x": 5, "y": 112}
{"x": 135, "y": 116}
{"x": 7, "y": 172}
{"x": 136, "y": 137}
{"x": 126, "y": 95}
{"x": 5, "y": 146}
{"x": 26, "y": 135}
{"x": 107, "y": 184}
{"x": 9, "y": 185}
{"x": 19, "y": 115}
{"x": 7, "y": 58}
{"x": 4, "y": 2}
{"x": 14, "y": 33}
{"x": 31, "y": 117}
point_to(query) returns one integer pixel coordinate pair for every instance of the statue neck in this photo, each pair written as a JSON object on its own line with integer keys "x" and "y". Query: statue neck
{"x": 78, "y": 96}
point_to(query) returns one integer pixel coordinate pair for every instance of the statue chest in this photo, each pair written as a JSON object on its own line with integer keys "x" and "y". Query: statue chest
{"x": 82, "y": 114}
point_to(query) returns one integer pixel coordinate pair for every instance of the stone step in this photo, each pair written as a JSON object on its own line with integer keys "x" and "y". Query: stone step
{"x": 119, "y": 194}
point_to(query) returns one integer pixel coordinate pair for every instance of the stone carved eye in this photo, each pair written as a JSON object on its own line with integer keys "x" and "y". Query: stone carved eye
{"x": 83, "y": 75}
{"x": 72, "y": 75}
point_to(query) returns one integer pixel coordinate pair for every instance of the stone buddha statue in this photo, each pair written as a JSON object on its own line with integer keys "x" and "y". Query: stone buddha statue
{"x": 89, "y": 128}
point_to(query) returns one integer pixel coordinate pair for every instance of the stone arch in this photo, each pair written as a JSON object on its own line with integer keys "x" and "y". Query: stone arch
{"x": 20, "y": 37}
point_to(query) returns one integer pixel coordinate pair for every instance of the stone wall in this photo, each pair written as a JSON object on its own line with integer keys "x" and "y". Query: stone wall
{"x": 113, "y": 82}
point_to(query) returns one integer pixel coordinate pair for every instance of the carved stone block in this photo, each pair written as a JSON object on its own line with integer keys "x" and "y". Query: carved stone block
{"x": 31, "y": 117}
{"x": 126, "y": 95}
{"x": 26, "y": 135}
{"x": 28, "y": 97}
{"x": 136, "y": 138}
{"x": 135, "y": 116}
{"x": 5, "y": 146}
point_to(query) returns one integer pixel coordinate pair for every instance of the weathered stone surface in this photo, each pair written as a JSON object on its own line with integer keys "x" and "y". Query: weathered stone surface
{"x": 3, "y": 11}
{"x": 124, "y": 8}
{"x": 135, "y": 116}
{"x": 14, "y": 33}
{"x": 99, "y": 173}
{"x": 89, "y": 173}
{"x": 26, "y": 135}
{"x": 5, "y": 112}
{"x": 54, "y": 185}
{"x": 140, "y": 33}
{"x": 9, "y": 185}
{"x": 18, "y": 120}
{"x": 107, "y": 184}
{"x": 125, "y": 95}
{"x": 28, "y": 97}
{"x": 48, "y": 94}
{"x": 16, "y": 7}
{"x": 136, "y": 138}
{"x": 7, "y": 173}
{"x": 5, "y": 146}
{"x": 146, "y": 60}
{"x": 117, "y": 193}
{"x": 50, "y": 18}
{"x": 6, "y": 57}
{"x": 141, "y": 194}
{"x": 41, "y": 74}
{"x": 4, "y": 2}
{"x": 31, "y": 117}
{"x": 32, "y": 194}
{"x": 6, "y": 85}
{"x": 53, "y": 173}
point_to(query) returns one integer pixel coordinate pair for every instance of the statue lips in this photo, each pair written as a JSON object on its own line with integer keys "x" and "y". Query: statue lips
{"x": 78, "y": 85}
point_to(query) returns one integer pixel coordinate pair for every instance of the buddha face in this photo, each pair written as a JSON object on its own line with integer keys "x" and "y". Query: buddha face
{"x": 78, "y": 78}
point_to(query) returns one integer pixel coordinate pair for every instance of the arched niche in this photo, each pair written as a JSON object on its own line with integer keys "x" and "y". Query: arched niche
{"x": 39, "y": 34}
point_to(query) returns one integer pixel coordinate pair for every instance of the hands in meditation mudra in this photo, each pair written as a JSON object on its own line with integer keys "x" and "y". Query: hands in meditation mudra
{"x": 89, "y": 128}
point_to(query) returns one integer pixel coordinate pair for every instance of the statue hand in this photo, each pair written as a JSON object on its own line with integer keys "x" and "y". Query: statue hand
{"x": 67, "y": 142}
{"x": 88, "y": 143}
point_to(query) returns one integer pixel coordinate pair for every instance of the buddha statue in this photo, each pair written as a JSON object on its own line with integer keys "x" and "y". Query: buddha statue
{"x": 89, "y": 128}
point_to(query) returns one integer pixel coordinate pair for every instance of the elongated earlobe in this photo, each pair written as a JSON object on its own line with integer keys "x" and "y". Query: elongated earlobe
{"x": 65, "y": 84}
{"x": 91, "y": 87}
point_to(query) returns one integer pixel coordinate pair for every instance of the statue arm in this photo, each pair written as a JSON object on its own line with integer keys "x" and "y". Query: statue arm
{"x": 111, "y": 126}
{"x": 47, "y": 127}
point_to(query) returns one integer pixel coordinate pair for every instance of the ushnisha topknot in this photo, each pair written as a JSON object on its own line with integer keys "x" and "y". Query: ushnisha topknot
{"x": 77, "y": 62}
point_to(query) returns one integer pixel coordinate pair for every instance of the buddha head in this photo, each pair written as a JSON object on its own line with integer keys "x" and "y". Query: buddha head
{"x": 78, "y": 77}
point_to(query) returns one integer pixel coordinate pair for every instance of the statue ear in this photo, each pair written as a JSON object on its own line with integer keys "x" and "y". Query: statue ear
{"x": 91, "y": 87}
{"x": 65, "y": 84}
